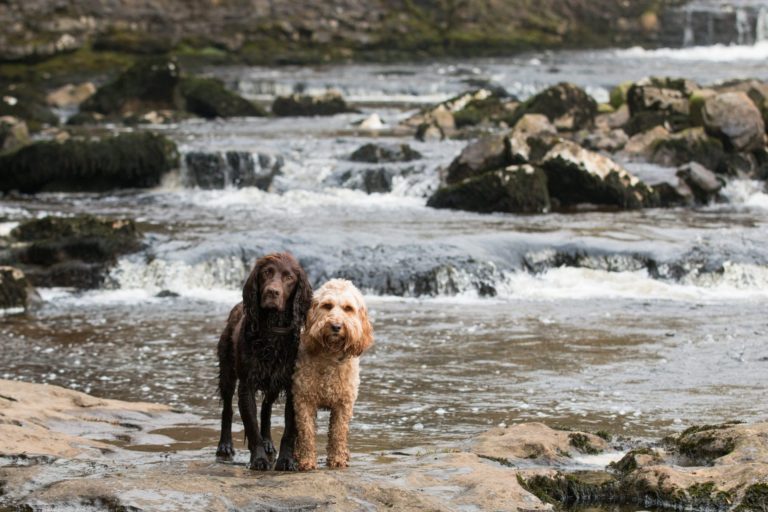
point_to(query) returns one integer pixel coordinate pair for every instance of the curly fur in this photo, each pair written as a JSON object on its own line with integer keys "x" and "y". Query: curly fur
{"x": 257, "y": 352}
{"x": 327, "y": 372}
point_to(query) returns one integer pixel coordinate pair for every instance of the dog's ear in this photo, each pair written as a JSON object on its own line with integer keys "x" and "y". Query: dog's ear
{"x": 302, "y": 298}
{"x": 311, "y": 344}
{"x": 251, "y": 294}
{"x": 364, "y": 342}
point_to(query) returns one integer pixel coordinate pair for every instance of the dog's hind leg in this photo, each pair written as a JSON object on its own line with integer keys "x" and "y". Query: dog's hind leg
{"x": 286, "y": 461}
{"x": 246, "y": 401}
{"x": 266, "y": 424}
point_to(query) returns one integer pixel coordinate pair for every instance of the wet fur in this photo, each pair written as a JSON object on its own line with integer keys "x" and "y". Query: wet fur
{"x": 255, "y": 358}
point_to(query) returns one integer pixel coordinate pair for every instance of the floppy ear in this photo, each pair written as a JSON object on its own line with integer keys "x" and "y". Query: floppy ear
{"x": 364, "y": 342}
{"x": 302, "y": 298}
{"x": 311, "y": 344}
{"x": 251, "y": 295}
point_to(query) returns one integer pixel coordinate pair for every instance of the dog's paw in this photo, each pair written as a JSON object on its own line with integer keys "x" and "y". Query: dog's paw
{"x": 269, "y": 447}
{"x": 286, "y": 464}
{"x": 337, "y": 462}
{"x": 306, "y": 465}
{"x": 225, "y": 452}
{"x": 259, "y": 464}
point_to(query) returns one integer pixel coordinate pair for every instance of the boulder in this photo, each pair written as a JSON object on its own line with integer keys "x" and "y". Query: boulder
{"x": 642, "y": 144}
{"x": 735, "y": 120}
{"x": 230, "y": 169}
{"x": 208, "y": 98}
{"x": 530, "y": 125}
{"x": 27, "y": 104}
{"x": 485, "y": 154}
{"x": 328, "y": 104}
{"x": 605, "y": 140}
{"x": 130, "y": 160}
{"x": 756, "y": 90}
{"x": 150, "y": 84}
{"x": 576, "y": 175}
{"x": 691, "y": 145}
{"x": 429, "y": 132}
{"x": 702, "y": 182}
{"x": 515, "y": 189}
{"x": 443, "y": 114}
{"x": 13, "y": 133}
{"x": 493, "y": 110}
{"x": 15, "y": 290}
{"x": 72, "y": 251}
{"x": 670, "y": 195}
{"x": 70, "y": 95}
{"x": 566, "y": 105}
{"x": 618, "y": 95}
{"x": 384, "y": 153}
{"x": 655, "y": 101}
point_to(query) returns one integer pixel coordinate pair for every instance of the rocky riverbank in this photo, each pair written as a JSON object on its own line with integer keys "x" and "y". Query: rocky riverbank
{"x": 62, "y": 448}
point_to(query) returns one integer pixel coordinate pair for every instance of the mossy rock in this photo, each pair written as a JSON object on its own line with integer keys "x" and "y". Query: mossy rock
{"x": 27, "y": 103}
{"x": 208, "y": 98}
{"x": 150, "y": 84}
{"x": 690, "y": 145}
{"x": 483, "y": 155}
{"x": 632, "y": 460}
{"x": 15, "y": 290}
{"x": 132, "y": 41}
{"x": 582, "y": 443}
{"x": 384, "y": 153}
{"x": 328, "y": 104}
{"x": 131, "y": 160}
{"x": 701, "y": 445}
{"x": 516, "y": 189}
{"x": 491, "y": 110}
{"x": 755, "y": 499}
{"x": 618, "y": 96}
{"x": 566, "y": 105}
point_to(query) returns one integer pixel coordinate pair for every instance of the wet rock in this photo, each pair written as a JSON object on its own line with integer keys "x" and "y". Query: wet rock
{"x": 72, "y": 251}
{"x": 691, "y": 145}
{"x": 133, "y": 41}
{"x": 673, "y": 195}
{"x": 13, "y": 133}
{"x": 384, "y": 153}
{"x": 605, "y": 140}
{"x": 70, "y": 95}
{"x": 702, "y": 182}
{"x": 515, "y": 189}
{"x": 15, "y": 290}
{"x": 618, "y": 95}
{"x": 429, "y": 132}
{"x": 26, "y": 103}
{"x": 613, "y": 120}
{"x": 130, "y": 160}
{"x": 208, "y": 98}
{"x": 443, "y": 114}
{"x": 328, "y": 104}
{"x": 230, "y": 169}
{"x": 735, "y": 120}
{"x": 530, "y": 125}
{"x": 150, "y": 84}
{"x": 567, "y": 106}
{"x": 369, "y": 180}
{"x": 485, "y": 154}
{"x": 643, "y": 144}
{"x": 490, "y": 109}
{"x": 654, "y": 101}
{"x": 576, "y": 175}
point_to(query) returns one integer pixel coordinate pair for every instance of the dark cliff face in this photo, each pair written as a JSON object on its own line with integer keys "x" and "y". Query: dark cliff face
{"x": 271, "y": 30}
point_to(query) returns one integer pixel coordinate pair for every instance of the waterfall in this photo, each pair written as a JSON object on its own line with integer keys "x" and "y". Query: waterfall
{"x": 761, "y": 27}
{"x": 688, "y": 35}
{"x": 743, "y": 27}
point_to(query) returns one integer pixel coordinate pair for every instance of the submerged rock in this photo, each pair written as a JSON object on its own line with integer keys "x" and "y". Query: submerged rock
{"x": 230, "y": 169}
{"x": 735, "y": 120}
{"x": 72, "y": 251}
{"x": 515, "y": 189}
{"x": 384, "y": 153}
{"x": 702, "y": 182}
{"x": 370, "y": 180}
{"x": 130, "y": 160}
{"x": 208, "y": 98}
{"x": 567, "y": 106}
{"x": 15, "y": 290}
{"x": 328, "y": 104}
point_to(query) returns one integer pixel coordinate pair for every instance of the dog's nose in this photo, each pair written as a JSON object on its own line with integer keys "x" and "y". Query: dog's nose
{"x": 272, "y": 293}
{"x": 335, "y": 327}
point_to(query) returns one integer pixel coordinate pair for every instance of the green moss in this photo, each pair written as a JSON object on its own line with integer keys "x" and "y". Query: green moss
{"x": 619, "y": 94}
{"x": 582, "y": 443}
{"x": 207, "y": 97}
{"x": 704, "y": 443}
{"x": 604, "y": 434}
{"x": 492, "y": 109}
{"x": 628, "y": 463}
{"x": 26, "y": 102}
{"x": 755, "y": 499}
{"x": 132, "y": 41}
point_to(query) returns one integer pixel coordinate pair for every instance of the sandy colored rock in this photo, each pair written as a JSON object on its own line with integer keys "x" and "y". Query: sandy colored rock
{"x": 70, "y": 95}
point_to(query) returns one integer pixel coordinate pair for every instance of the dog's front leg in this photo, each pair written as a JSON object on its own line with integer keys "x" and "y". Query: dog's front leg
{"x": 306, "y": 454}
{"x": 266, "y": 424}
{"x": 338, "y": 432}
{"x": 246, "y": 401}
{"x": 286, "y": 460}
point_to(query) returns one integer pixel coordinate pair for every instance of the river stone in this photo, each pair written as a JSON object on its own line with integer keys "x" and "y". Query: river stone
{"x": 15, "y": 290}
{"x": 26, "y": 103}
{"x": 518, "y": 146}
{"x": 128, "y": 160}
{"x": 485, "y": 154}
{"x": 328, "y": 104}
{"x": 691, "y": 145}
{"x": 576, "y": 175}
{"x": 515, "y": 189}
{"x": 70, "y": 95}
{"x": 208, "y": 98}
{"x": 384, "y": 153}
{"x": 566, "y": 105}
{"x": 13, "y": 133}
{"x": 237, "y": 169}
{"x": 735, "y": 120}
{"x": 150, "y": 84}
{"x": 370, "y": 180}
{"x": 703, "y": 183}
{"x": 659, "y": 101}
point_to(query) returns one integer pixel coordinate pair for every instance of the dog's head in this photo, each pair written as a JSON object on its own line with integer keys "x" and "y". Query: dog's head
{"x": 277, "y": 283}
{"x": 337, "y": 321}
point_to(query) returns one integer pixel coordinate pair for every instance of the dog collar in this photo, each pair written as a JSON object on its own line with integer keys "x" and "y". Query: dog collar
{"x": 281, "y": 330}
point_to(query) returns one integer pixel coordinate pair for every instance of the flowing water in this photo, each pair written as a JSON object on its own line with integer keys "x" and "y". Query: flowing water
{"x": 637, "y": 322}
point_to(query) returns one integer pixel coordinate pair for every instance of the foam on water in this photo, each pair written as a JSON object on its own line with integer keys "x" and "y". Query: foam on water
{"x": 714, "y": 53}
{"x": 747, "y": 193}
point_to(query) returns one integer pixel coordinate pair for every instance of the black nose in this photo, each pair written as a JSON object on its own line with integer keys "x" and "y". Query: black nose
{"x": 336, "y": 327}
{"x": 272, "y": 293}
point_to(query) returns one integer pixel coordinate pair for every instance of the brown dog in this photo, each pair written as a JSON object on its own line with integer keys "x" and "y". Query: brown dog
{"x": 258, "y": 348}
{"x": 327, "y": 369}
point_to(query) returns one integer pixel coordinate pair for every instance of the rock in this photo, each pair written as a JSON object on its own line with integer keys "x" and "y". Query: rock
{"x": 27, "y": 104}
{"x": 372, "y": 122}
{"x": 673, "y": 195}
{"x": 702, "y": 182}
{"x": 485, "y": 154}
{"x": 370, "y": 180}
{"x": 130, "y": 160}
{"x": 618, "y": 95}
{"x": 70, "y": 95}
{"x": 656, "y": 101}
{"x": 13, "y": 133}
{"x": 605, "y": 140}
{"x": 697, "y": 101}
{"x": 530, "y": 125}
{"x": 642, "y": 144}
{"x": 150, "y": 84}
{"x": 429, "y": 132}
{"x": 230, "y": 169}
{"x": 208, "y": 98}
{"x": 691, "y": 145}
{"x": 384, "y": 153}
{"x": 616, "y": 119}
{"x": 489, "y": 110}
{"x": 133, "y": 41}
{"x": 328, "y": 104}
{"x": 515, "y": 189}
{"x": 576, "y": 175}
{"x": 15, "y": 290}
{"x": 72, "y": 251}
{"x": 567, "y": 106}
{"x": 756, "y": 90}
{"x": 735, "y": 120}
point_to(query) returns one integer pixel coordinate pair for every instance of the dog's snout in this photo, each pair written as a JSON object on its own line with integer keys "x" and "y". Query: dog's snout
{"x": 335, "y": 327}
{"x": 272, "y": 293}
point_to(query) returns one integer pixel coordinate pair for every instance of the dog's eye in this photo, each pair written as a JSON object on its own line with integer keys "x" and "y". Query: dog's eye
{"x": 327, "y": 305}
{"x": 288, "y": 277}
{"x": 349, "y": 309}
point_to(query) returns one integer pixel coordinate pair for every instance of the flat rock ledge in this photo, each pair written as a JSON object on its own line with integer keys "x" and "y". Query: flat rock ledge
{"x": 62, "y": 449}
